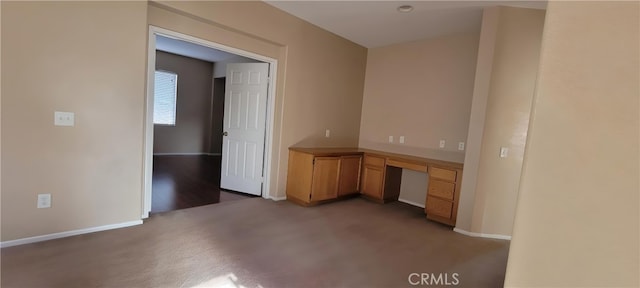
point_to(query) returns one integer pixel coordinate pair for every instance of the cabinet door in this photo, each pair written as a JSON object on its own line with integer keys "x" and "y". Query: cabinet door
{"x": 325, "y": 178}
{"x": 373, "y": 181}
{"x": 299, "y": 176}
{"x": 349, "y": 175}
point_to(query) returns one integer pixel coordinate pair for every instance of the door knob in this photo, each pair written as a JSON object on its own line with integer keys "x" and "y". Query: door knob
{"x": 225, "y": 133}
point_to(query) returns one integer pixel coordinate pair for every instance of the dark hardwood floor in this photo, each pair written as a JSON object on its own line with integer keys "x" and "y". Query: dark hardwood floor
{"x": 187, "y": 181}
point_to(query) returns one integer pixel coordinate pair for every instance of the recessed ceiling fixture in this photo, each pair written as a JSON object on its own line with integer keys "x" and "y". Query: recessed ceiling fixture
{"x": 405, "y": 8}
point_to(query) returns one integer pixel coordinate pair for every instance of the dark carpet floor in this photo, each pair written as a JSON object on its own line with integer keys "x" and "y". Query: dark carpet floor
{"x": 260, "y": 243}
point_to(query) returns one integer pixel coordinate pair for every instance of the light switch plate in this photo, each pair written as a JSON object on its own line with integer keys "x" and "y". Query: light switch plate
{"x": 44, "y": 201}
{"x": 64, "y": 118}
{"x": 504, "y": 151}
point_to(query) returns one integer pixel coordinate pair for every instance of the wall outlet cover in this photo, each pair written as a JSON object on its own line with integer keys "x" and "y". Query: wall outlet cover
{"x": 63, "y": 118}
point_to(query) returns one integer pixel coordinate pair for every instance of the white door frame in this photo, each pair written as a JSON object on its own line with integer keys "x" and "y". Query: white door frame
{"x": 148, "y": 122}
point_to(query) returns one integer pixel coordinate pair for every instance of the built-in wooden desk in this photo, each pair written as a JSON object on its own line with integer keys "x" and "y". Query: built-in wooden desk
{"x": 318, "y": 175}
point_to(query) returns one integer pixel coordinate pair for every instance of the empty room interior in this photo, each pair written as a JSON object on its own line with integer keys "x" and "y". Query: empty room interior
{"x": 320, "y": 144}
{"x": 188, "y": 125}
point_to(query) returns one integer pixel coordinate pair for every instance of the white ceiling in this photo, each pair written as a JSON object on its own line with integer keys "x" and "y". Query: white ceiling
{"x": 196, "y": 51}
{"x": 378, "y": 23}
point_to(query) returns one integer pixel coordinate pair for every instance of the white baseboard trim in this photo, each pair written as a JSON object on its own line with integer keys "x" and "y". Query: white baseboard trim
{"x": 278, "y": 198}
{"x": 186, "y": 154}
{"x": 411, "y": 203}
{"x": 483, "y": 235}
{"x": 67, "y": 234}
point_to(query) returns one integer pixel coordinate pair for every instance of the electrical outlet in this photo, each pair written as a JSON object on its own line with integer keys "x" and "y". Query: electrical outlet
{"x": 44, "y": 201}
{"x": 390, "y": 139}
{"x": 64, "y": 118}
{"x": 401, "y": 140}
{"x": 442, "y": 143}
{"x": 461, "y": 146}
{"x": 327, "y": 133}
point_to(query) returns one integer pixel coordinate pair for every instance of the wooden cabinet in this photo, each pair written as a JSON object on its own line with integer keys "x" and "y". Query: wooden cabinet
{"x": 319, "y": 177}
{"x": 373, "y": 177}
{"x": 443, "y": 194}
{"x": 380, "y": 181}
{"x": 324, "y": 183}
{"x": 349, "y": 175}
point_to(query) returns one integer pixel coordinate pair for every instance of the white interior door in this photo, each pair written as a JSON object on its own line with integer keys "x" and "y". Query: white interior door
{"x": 245, "y": 108}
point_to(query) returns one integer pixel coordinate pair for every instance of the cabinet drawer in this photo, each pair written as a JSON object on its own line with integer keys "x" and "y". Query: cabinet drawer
{"x": 373, "y": 161}
{"x": 444, "y": 174}
{"x": 441, "y": 189}
{"x": 438, "y": 207}
{"x": 407, "y": 165}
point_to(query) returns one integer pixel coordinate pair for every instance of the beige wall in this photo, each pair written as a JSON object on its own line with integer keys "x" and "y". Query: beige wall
{"x": 484, "y": 66}
{"x": 192, "y": 132}
{"x": 324, "y": 73}
{"x": 0, "y": 124}
{"x": 578, "y": 221}
{"x": 510, "y": 91}
{"x": 421, "y": 90}
{"x": 87, "y": 58}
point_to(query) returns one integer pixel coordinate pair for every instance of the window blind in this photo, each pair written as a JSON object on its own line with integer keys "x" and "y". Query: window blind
{"x": 165, "y": 96}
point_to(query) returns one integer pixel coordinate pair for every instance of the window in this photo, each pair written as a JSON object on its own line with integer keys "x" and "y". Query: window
{"x": 164, "y": 99}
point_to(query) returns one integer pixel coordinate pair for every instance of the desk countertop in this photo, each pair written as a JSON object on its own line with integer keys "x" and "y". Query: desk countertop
{"x": 338, "y": 151}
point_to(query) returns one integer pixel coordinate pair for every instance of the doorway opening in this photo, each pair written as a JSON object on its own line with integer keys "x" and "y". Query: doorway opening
{"x": 185, "y": 159}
